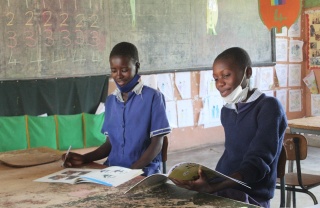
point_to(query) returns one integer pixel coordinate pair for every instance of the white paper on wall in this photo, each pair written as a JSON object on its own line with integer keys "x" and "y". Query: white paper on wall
{"x": 207, "y": 84}
{"x": 295, "y": 51}
{"x": 265, "y": 75}
{"x": 150, "y": 80}
{"x": 254, "y": 78}
{"x": 281, "y": 95}
{"x": 185, "y": 113}
{"x": 212, "y": 106}
{"x": 294, "y": 75}
{"x": 171, "y": 112}
{"x": 165, "y": 86}
{"x": 295, "y": 29}
{"x": 294, "y": 100}
{"x": 281, "y": 49}
{"x": 315, "y": 104}
{"x": 183, "y": 84}
{"x": 311, "y": 82}
{"x": 282, "y": 74}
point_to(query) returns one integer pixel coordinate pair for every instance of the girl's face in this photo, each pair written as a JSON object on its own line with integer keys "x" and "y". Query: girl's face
{"x": 123, "y": 69}
{"x": 227, "y": 76}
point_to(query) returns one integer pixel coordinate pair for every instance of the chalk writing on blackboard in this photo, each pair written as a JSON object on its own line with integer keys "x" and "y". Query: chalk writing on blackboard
{"x": 45, "y": 38}
{"x": 63, "y": 38}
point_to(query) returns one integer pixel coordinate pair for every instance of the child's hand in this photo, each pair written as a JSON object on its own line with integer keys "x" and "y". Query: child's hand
{"x": 73, "y": 159}
{"x": 201, "y": 184}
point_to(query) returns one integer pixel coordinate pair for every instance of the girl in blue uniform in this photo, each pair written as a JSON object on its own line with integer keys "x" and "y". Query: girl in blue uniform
{"x": 254, "y": 126}
{"x": 135, "y": 118}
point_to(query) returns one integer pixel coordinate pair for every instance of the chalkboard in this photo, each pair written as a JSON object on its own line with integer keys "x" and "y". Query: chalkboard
{"x": 63, "y": 38}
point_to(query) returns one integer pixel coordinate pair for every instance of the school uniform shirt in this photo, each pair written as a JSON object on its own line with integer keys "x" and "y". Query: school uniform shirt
{"x": 253, "y": 140}
{"x": 130, "y": 125}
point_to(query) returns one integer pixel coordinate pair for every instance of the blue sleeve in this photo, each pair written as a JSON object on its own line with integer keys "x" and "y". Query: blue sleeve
{"x": 266, "y": 145}
{"x": 159, "y": 121}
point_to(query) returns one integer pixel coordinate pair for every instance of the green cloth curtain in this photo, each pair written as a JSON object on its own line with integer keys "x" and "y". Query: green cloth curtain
{"x": 42, "y": 131}
{"x": 92, "y": 128}
{"x": 70, "y": 131}
{"x": 62, "y": 96}
{"x": 57, "y": 132}
{"x": 13, "y": 135}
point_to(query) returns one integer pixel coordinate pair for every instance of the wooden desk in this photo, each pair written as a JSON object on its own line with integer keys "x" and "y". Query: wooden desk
{"x": 18, "y": 190}
{"x": 308, "y": 125}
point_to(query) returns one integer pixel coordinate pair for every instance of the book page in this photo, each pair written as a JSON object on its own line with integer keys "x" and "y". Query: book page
{"x": 181, "y": 171}
{"x": 112, "y": 176}
{"x": 149, "y": 182}
{"x": 189, "y": 171}
{"x": 67, "y": 175}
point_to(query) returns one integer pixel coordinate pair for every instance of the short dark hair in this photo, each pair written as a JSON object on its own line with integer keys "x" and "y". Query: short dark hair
{"x": 237, "y": 55}
{"x": 125, "y": 49}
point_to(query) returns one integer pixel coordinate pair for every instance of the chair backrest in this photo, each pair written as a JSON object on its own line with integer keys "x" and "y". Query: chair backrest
{"x": 164, "y": 153}
{"x": 281, "y": 168}
{"x": 293, "y": 143}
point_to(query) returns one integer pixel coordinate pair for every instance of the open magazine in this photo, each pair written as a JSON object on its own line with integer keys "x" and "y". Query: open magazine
{"x": 110, "y": 176}
{"x": 182, "y": 171}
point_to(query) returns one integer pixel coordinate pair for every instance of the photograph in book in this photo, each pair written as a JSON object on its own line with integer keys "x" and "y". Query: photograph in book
{"x": 110, "y": 176}
{"x": 182, "y": 171}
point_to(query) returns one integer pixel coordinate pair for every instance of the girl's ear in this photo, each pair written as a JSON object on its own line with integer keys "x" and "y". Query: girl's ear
{"x": 137, "y": 67}
{"x": 249, "y": 72}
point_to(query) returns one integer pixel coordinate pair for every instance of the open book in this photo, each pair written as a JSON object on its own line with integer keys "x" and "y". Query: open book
{"x": 110, "y": 176}
{"x": 182, "y": 171}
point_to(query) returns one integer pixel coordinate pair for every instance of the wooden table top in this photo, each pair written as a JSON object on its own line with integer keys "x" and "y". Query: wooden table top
{"x": 19, "y": 190}
{"x": 309, "y": 123}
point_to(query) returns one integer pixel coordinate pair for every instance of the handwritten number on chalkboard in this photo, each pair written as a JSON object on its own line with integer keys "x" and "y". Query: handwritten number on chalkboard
{"x": 81, "y": 20}
{"x": 10, "y": 16}
{"x": 29, "y": 22}
{"x": 95, "y": 57}
{"x": 49, "y": 41}
{"x": 79, "y": 37}
{"x": 95, "y": 38}
{"x": 49, "y": 14}
{"x": 85, "y": 32}
{"x": 95, "y": 21}
{"x": 65, "y": 17}
{"x": 12, "y": 61}
{"x": 31, "y": 42}
{"x": 66, "y": 37}
{"x": 12, "y": 39}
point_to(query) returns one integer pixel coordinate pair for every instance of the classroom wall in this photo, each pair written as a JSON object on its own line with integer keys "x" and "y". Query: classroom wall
{"x": 197, "y": 136}
{"x": 309, "y": 5}
{"x": 284, "y": 35}
{"x": 190, "y": 137}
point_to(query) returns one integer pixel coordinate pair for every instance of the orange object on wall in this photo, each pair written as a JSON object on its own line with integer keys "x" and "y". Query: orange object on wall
{"x": 279, "y": 13}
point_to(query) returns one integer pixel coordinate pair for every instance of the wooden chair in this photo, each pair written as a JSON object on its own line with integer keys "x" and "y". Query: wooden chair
{"x": 281, "y": 170}
{"x": 164, "y": 154}
{"x": 296, "y": 148}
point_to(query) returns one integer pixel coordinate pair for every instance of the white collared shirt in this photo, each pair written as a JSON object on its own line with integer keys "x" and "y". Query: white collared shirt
{"x": 137, "y": 89}
{"x": 256, "y": 94}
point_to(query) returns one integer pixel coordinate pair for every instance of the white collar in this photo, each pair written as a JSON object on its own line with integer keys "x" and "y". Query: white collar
{"x": 137, "y": 89}
{"x": 256, "y": 94}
